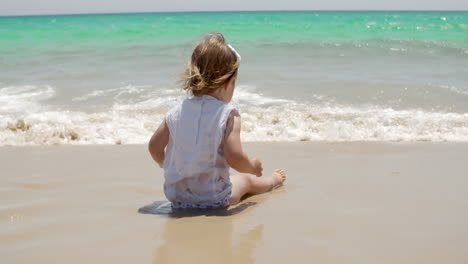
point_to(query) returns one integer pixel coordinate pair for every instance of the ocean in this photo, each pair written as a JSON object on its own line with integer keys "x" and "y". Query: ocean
{"x": 386, "y": 76}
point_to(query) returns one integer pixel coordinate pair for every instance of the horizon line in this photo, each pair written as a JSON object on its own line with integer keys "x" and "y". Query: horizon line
{"x": 235, "y": 11}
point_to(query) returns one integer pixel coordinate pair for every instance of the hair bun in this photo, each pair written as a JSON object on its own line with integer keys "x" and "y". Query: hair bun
{"x": 212, "y": 64}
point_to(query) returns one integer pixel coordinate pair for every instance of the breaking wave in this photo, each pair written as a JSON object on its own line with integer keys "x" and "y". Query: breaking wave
{"x": 26, "y": 119}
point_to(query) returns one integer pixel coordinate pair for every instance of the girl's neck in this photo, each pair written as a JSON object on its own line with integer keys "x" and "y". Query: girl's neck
{"x": 225, "y": 93}
{"x": 220, "y": 94}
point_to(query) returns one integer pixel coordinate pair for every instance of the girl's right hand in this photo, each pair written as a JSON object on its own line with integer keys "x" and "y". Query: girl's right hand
{"x": 257, "y": 167}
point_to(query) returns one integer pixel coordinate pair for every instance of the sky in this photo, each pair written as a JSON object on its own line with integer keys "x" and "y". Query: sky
{"x": 38, "y": 7}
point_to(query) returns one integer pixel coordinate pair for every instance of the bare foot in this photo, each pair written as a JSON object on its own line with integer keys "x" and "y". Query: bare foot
{"x": 278, "y": 176}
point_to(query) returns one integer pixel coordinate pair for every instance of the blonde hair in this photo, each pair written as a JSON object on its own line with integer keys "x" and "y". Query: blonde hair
{"x": 211, "y": 66}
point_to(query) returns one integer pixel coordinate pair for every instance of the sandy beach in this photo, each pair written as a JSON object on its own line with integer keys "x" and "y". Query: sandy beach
{"x": 342, "y": 203}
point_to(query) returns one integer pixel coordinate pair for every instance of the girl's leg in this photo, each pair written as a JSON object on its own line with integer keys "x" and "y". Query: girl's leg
{"x": 244, "y": 184}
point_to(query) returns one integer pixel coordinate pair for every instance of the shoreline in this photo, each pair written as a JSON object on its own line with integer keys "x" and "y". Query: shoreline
{"x": 369, "y": 202}
{"x": 246, "y": 143}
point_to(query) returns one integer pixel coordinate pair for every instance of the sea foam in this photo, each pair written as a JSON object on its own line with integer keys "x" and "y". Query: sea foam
{"x": 27, "y": 120}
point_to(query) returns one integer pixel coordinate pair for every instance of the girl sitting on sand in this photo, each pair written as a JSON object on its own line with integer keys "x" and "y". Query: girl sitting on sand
{"x": 202, "y": 135}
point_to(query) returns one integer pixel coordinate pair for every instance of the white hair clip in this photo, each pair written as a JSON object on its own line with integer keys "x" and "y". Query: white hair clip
{"x": 235, "y": 51}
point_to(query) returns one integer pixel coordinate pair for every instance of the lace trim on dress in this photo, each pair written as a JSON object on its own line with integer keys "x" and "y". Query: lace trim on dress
{"x": 188, "y": 205}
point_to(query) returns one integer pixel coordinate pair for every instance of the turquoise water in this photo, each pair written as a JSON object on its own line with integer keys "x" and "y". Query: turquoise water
{"x": 54, "y": 69}
{"x": 125, "y": 30}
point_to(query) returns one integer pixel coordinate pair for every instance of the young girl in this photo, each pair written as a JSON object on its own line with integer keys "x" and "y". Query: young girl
{"x": 202, "y": 136}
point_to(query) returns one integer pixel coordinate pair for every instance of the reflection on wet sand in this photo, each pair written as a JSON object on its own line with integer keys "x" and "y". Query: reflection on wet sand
{"x": 203, "y": 236}
{"x": 202, "y": 240}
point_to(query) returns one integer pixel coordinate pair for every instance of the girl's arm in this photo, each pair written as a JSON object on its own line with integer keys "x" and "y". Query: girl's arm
{"x": 233, "y": 153}
{"x": 158, "y": 143}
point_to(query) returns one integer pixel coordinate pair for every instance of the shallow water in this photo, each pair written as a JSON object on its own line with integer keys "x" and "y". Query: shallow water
{"x": 319, "y": 76}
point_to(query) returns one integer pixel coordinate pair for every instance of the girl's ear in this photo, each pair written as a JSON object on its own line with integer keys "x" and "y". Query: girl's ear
{"x": 228, "y": 83}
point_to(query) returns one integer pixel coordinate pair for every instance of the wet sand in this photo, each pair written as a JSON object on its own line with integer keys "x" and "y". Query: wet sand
{"x": 342, "y": 203}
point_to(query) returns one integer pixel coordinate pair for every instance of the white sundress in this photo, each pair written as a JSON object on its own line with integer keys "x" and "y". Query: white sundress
{"x": 195, "y": 170}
